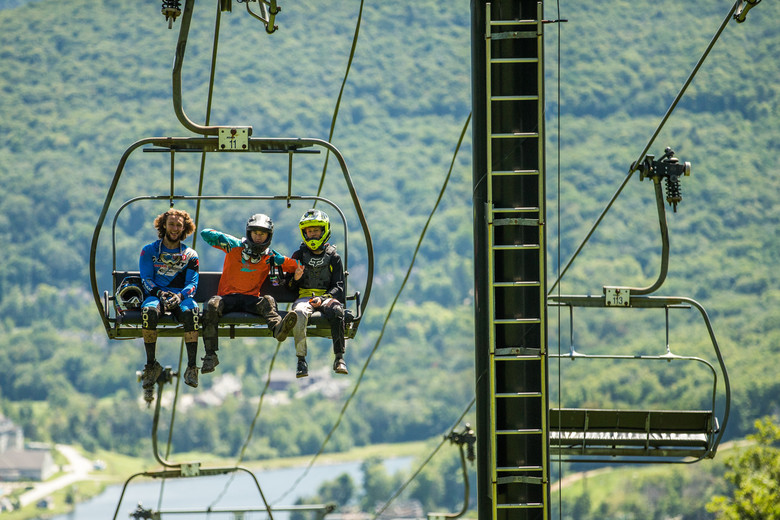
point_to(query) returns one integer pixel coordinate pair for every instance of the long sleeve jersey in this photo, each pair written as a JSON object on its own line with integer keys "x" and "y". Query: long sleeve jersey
{"x": 164, "y": 269}
{"x": 323, "y": 273}
{"x": 242, "y": 273}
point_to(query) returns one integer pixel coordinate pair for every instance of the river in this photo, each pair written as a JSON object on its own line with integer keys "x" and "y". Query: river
{"x": 180, "y": 498}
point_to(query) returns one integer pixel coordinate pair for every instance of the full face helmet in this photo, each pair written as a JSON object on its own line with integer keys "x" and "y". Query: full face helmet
{"x": 259, "y": 222}
{"x": 315, "y": 218}
{"x": 129, "y": 295}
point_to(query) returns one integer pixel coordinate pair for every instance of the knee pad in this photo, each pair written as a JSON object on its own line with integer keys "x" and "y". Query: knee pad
{"x": 213, "y": 310}
{"x": 266, "y": 305}
{"x": 191, "y": 319}
{"x": 149, "y": 317}
{"x": 333, "y": 310}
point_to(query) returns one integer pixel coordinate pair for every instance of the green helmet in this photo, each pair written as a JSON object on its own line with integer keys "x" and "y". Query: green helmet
{"x": 315, "y": 218}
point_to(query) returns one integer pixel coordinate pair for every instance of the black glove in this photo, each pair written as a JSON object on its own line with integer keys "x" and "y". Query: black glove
{"x": 170, "y": 300}
{"x": 275, "y": 258}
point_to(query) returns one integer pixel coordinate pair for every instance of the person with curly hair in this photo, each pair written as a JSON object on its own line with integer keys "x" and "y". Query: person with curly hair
{"x": 169, "y": 272}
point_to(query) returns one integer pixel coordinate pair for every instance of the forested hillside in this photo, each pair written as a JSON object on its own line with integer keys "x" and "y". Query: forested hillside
{"x": 82, "y": 80}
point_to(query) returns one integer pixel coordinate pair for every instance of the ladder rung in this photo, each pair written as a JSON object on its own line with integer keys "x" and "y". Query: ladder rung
{"x": 501, "y": 61}
{"x": 510, "y": 321}
{"x": 515, "y": 135}
{"x": 515, "y": 247}
{"x": 531, "y": 222}
{"x": 513, "y": 22}
{"x": 498, "y": 358}
{"x": 519, "y": 468}
{"x": 532, "y": 283}
{"x": 521, "y": 431}
{"x": 518, "y": 394}
{"x": 520, "y": 479}
{"x": 513, "y": 35}
{"x": 529, "y": 505}
{"x": 515, "y": 172}
{"x": 514, "y": 98}
{"x": 516, "y": 210}
{"x": 512, "y": 353}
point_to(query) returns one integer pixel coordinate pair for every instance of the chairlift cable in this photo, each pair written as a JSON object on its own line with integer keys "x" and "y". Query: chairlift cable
{"x": 319, "y": 190}
{"x": 636, "y": 164}
{"x": 341, "y": 94}
{"x": 387, "y": 317}
{"x": 210, "y": 96}
{"x": 251, "y": 427}
{"x": 414, "y": 475}
{"x": 209, "y": 99}
{"x": 197, "y": 216}
{"x": 558, "y": 233}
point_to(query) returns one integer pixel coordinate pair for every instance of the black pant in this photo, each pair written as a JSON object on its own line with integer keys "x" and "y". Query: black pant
{"x": 217, "y": 306}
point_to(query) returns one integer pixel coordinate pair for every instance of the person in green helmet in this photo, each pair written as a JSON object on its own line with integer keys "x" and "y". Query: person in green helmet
{"x": 319, "y": 282}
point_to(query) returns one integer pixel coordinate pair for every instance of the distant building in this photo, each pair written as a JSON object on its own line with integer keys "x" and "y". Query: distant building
{"x": 26, "y": 465}
{"x": 16, "y": 463}
{"x": 11, "y": 435}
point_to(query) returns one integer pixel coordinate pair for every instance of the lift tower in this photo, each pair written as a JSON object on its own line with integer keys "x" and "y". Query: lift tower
{"x": 509, "y": 259}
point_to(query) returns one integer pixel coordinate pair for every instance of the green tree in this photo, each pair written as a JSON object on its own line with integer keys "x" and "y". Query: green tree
{"x": 378, "y": 485}
{"x": 339, "y": 490}
{"x": 755, "y": 476}
{"x": 581, "y": 507}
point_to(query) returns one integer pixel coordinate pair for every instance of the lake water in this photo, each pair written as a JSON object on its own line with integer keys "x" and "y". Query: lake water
{"x": 190, "y": 498}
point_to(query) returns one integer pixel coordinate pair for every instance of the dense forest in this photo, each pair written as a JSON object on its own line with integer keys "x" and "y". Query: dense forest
{"x": 82, "y": 80}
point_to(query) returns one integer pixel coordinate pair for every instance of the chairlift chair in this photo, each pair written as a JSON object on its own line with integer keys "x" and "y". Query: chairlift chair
{"x": 642, "y": 435}
{"x": 127, "y": 324}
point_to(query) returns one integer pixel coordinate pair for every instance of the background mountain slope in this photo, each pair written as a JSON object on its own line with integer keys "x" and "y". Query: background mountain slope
{"x": 83, "y": 80}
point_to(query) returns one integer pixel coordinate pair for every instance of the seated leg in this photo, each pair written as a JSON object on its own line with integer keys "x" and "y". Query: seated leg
{"x": 212, "y": 313}
{"x": 266, "y": 307}
{"x": 334, "y": 313}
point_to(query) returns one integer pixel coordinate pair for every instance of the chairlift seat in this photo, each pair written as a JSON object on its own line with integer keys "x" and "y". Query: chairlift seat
{"x": 632, "y": 433}
{"x": 232, "y": 324}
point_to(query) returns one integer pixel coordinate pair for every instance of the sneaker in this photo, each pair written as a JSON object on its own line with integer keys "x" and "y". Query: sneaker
{"x": 210, "y": 362}
{"x": 303, "y": 368}
{"x": 191, "y": 377}
{"x": 150, "y": 374}
{"x": 340, "y": 367}
{"x": 283, "y": 329}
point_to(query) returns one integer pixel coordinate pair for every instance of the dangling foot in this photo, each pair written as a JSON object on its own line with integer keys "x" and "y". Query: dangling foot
{"x": 303, "y": 368}
{"x": 283, "y": 329}
{"x": 191, "y": 377}
{"x": 151, "y": 374}
{"x": 339, "y": 366}
{"x": 210, "y": 362}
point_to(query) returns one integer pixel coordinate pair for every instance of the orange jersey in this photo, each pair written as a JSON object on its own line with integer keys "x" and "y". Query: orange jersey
{"x": 241, "y": 272}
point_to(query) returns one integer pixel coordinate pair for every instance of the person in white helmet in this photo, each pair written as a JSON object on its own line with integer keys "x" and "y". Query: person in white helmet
{"x": 319, "y": 282}
{"x": 248, "y": 261}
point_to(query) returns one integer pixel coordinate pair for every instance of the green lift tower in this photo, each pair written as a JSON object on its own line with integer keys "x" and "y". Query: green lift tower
{"x": 513, "y": 477}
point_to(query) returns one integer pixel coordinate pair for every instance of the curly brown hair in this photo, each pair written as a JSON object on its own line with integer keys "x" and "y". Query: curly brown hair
{"x": 162, "y": 218}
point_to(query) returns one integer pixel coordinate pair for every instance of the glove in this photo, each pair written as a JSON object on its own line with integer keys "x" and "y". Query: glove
{"x": 170, "y": 300}
{"x": 275, "y": 258}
